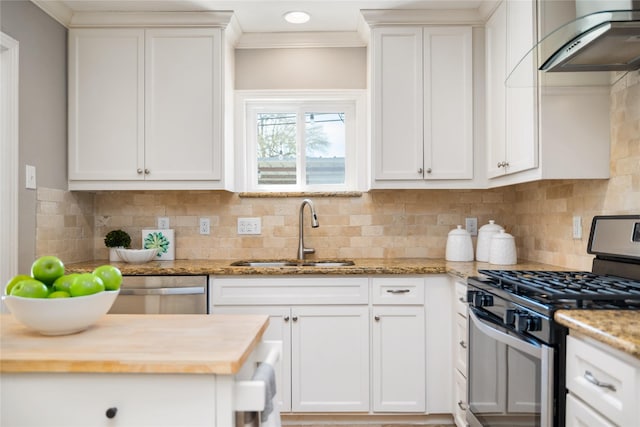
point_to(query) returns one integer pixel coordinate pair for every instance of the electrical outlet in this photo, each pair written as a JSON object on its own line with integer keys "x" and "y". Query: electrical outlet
{"x": 205, "y": 226}
{"x": 471, "y": 225}
{"x": 163, "y": 222}
{"x": 249, "y": 226}
{"x": 577, "y": 227}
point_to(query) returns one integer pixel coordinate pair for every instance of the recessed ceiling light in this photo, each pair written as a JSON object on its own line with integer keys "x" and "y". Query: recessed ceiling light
{"x": 297, "y": 17}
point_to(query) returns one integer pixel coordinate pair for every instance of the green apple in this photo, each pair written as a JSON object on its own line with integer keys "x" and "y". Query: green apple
{"x": 47, "y": 269}
{"x": 30, "y": 288}
{"x": 63, "y": 283}
{"x": 86, "y": 284}
{"x": 13, "y": 281}
{"x": 110, "y": 275}
{"x": 59, "y": 294}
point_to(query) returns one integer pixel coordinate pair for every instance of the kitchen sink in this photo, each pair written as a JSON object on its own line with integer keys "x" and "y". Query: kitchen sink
{"x": 293, "y": 263}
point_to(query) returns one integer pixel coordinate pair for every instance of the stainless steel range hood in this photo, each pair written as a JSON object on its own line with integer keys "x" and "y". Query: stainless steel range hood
{"x": 605, "y": 37}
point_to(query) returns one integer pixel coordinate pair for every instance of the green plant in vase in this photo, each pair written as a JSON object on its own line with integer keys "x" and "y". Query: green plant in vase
{"x": 116, "y": 239}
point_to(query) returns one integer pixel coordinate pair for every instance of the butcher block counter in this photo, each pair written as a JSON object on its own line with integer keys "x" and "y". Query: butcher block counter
{"x": 198, "y": 344}
{"x": 134, "y": 370}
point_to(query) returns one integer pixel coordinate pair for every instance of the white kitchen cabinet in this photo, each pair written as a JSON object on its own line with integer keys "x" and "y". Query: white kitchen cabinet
{"x": 145, "y": 108}
{"x": 603, "y": 384}
{"x": 398, "y": 345}
{"x": 535, "y": 122}
{"x": 324, "y": 326}
{"x": 422, "y": 105}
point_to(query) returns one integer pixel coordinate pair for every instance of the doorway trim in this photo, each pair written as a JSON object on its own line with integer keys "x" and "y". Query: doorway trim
{"x": 9, "y": 146}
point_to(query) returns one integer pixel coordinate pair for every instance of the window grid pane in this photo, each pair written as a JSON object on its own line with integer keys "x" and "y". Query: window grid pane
{"x": 276, "y": 148}
{"x": 325, "y": 148}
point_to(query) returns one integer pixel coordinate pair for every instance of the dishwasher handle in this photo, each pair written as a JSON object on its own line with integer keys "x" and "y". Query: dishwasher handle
{"x": 193, "y": 290}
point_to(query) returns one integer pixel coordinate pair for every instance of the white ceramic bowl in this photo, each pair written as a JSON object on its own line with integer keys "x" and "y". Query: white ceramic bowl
{"x": 137, "y": 256}
{"x": 60, "y": 316}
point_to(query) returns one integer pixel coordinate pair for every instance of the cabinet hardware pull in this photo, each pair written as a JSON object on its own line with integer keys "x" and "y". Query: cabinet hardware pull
{"x": 462, "y": 299}
{"x": 398, "y": 291}
{"x": 505, "y": 164}
{"x": 593, "y": 380}
{"x": 463, "y": 344}
{"x": 499, "y": 164}
{"x": 147, "y": 171}
{"x": 377, "y": 318}
{"x": 429, "y": 170}
{"x": 420, "y": 171}
{"x": 139, "y": 171}
{"x": 286, "y": 318}
{"x": 294, "y": 318}
{"x": 461, "y": 405}
{"x": 111, "y": 412}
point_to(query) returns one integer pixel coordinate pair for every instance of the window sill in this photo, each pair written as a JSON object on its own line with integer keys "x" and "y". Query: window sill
{"x": 276, "y": 194}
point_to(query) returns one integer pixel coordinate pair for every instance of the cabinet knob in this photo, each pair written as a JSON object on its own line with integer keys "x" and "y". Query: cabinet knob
{"x": 500, "y": 164}
{"x": 463, "y": 344}
{"x": 377, "y": 318}
{"x": 429, "y": 170}
{"x": 286, "y": 318}
{"x": 139, "y": 171}
{"x": 111, "y": 412}
{"x": 294, "y": 318}
{"x": 505, "y": 164}
{"x": 147, "y": 171}
{"x": 420, "y": 171}
{"x": 461, "y": 405}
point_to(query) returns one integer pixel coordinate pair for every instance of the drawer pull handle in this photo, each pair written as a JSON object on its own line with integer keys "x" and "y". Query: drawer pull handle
{"x": 398, "y": 291}
{"x": 462, "y": 300}
{"x": 593, "y": 380}
{"x": 111, "y": 412}
{"x": 463, "y": 344}
{"x": 462, "y": 405}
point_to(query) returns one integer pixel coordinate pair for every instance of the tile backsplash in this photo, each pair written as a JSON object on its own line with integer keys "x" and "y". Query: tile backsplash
{"x": 378, "y": 224}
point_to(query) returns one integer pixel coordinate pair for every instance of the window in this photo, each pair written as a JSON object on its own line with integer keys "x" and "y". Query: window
{"x": 303, "y": 144}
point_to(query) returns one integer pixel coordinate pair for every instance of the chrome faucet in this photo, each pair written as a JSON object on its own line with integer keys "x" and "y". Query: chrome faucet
{"x": 302, "y": 251}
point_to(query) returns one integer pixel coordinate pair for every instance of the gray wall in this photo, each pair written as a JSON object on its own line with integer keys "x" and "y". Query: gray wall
{"x": 42, "y": 111}
{"x": 309, "y": 68}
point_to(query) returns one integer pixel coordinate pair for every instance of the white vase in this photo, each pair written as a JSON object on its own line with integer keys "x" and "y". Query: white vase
{"x": 113, "y": 254}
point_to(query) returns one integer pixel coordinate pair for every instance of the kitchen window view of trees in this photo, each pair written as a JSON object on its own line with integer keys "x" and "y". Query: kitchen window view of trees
{"x": 309, "y": 143}
{"x": 301, "y": 145}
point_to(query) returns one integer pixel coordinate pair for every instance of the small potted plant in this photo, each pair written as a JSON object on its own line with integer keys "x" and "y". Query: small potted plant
{"x": 116, "y": 239}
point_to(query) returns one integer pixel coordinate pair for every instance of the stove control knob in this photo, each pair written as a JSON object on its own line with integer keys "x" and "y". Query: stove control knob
{"x": 509, "y": 317}
{"x": 527, "y": 323}
{"x": 482, "y": 300}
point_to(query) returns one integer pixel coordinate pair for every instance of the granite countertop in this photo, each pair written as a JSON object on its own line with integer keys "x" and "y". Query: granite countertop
{"x": 216, "y": 344}
{"x": 618, "y": 328}
{"x": 370, "y": 266}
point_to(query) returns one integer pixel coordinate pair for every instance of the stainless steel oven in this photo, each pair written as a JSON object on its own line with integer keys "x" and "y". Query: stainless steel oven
{"x": 510, "y": 376}
{"x": 516, "y": 349}
{"x": 162, "y": 295}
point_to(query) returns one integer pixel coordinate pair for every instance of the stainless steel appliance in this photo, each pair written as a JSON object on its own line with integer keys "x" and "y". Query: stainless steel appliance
{"x": 517, "y": 351}
{"x": 162, "y": 295}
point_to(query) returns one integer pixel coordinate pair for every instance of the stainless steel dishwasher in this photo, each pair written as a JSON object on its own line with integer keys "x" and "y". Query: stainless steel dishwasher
{"x": 162, "y": 295}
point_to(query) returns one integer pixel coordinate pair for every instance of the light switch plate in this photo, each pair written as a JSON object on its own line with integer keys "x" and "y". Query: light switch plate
{"x": 249, "y": 226}
{"x": 163, "y": 222}
{"x": 471, "y": 225}
{"x": 577, "y": 227}
{"x": 30, "y": 180}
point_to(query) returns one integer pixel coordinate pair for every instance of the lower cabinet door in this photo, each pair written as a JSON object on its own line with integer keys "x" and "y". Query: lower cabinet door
{"x": 399, "y": 359}
{"x": 581, "y": 415}
{"x": 330, "y": 359}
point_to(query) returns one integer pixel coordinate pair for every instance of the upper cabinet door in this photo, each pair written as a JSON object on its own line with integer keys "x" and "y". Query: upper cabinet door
{"x": 448, "y": 103}
{"x": 397, "y": 103}
{"x": 183, "y": 104}
{"x": 106, "y": 104}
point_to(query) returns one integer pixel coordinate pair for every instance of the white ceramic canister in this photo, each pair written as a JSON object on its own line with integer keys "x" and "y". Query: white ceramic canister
{"x": 485, "y": 233}
{"x": 503, "y": 249}
{"x": 459, "y": 245}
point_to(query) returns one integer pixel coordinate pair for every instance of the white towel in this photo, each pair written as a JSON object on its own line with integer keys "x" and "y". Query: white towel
{"x": 270, "y": 416}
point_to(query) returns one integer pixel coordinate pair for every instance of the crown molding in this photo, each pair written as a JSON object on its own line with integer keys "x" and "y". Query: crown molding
{"x": 150, "y": 19}
{"x": 300, "y": 40}
{"x": 55, "y": 9}
{"x": 379, "y": 17}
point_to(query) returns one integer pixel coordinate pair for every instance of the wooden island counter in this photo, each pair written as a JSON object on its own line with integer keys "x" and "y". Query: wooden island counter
{"x": 132, "y": 370}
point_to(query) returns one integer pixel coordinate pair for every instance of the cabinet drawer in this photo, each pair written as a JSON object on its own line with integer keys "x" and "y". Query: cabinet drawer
{"x": 580, "y": 415}
{"x": 278, "y": 290}
{"x": 398, "y": 291}
{"x": 460, "y": 399}
{"x": 461, "y": 343}
{"x": 616, "y": 395}
{"x": 461, "y": 298}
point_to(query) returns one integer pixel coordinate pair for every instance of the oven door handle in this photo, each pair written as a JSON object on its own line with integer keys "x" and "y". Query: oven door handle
{"x": 511, "y": 341}
{"x": 192, "y": 290}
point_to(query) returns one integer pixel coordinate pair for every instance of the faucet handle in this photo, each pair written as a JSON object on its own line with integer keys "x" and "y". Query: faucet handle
{"x": 309, "y": 250}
